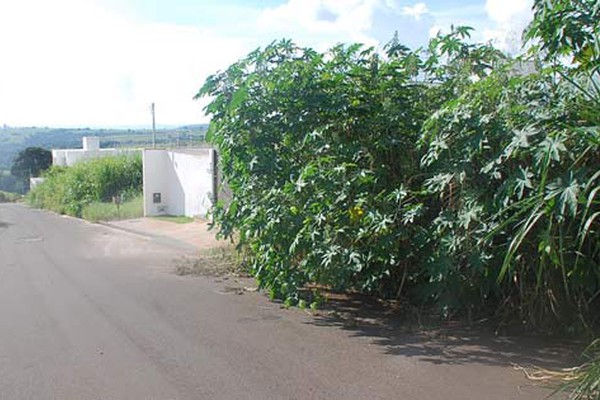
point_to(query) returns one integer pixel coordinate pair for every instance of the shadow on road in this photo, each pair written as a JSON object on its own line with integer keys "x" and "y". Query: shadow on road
{"x": 4, "y": 224}
{"x": 445, "y": 344}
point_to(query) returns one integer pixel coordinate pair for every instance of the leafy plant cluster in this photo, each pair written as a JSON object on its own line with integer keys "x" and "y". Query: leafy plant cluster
{"x": 7, "y": 197}
{"x": 68, "y": 190}
{"x": 445, "y": 175}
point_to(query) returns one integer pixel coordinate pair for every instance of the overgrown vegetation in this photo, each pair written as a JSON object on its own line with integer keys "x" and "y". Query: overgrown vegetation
{"x": 30, "y": 163}
{"x": 450, "y": 176}
{"x": 8, "y": 197}
{"x": 444, "y": 175}
{"x": 584, "y": 381}
{"x": 132, "y": 207}
{"x": 71, "y": 190}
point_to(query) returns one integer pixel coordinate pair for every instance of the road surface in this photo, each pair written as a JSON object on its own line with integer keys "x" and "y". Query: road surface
{"x": 88, "y": 312}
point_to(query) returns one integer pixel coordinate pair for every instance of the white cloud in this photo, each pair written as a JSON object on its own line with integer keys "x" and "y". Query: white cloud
{"x": 508, "y": 11}
{"x": 70, "y": 62}
{"x": 319, "y": 23}
{"x": 322, "y": 23}
{"x": 435, "y": 29}
{"x": 74, "y": 62}
{"x": 511, "y": 17}
{"x": 416, "y": 11}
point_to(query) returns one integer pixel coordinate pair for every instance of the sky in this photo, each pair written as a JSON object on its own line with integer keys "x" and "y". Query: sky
{"x": 101, "y": 63}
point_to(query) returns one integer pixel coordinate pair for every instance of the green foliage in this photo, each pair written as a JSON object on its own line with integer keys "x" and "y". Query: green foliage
{"x": 10, "y": 183}
{"x": 515, "y": 162}
{"x": 319, "y": 151}
{"x": 7, "y": 197}
{"x": 517, "y": 173}
{"x": 567, "y": 28}
{"x": 583, "y": 382}
{"x": 177, "y": 219}
{"x": 101, "y": 211}
{"x": 68, "y": 190}
{"x": 443, "y": 175}
{"x": 30, "y": 162}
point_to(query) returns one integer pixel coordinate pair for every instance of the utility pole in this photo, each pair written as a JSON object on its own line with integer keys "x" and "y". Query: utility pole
{"x": 153, "y": 127}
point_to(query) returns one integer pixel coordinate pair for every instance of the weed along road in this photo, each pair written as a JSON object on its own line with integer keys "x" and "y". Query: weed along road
{"x": 88, "y": 312}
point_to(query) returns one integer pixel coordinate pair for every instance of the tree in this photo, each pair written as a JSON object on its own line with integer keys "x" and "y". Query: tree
{"x": 31, "y": 162}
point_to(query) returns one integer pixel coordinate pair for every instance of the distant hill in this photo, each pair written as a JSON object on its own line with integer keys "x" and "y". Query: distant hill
{"x": 13, "y": 140}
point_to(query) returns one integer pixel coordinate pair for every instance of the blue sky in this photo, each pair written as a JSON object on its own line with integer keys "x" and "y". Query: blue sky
{"x": 80, "y": 63}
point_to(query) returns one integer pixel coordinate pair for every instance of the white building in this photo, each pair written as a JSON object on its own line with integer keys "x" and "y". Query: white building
{"x": 179, "y": 182}
{"x": 91, "y": 149}
{"x": 33, "y": 182}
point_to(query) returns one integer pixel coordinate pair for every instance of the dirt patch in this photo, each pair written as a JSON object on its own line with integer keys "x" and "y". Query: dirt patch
{"x": 215, "y": 262}
{"x": 224, "y": 265}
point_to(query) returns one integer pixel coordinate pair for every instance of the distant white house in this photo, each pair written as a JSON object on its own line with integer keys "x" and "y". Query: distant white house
{"x": 91, "y": 149}
{"x": 179, "y": 182}
{"x": 33, "y": 182}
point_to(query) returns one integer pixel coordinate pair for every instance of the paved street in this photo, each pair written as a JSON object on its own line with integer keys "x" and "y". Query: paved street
{"x": 90, "y": 312}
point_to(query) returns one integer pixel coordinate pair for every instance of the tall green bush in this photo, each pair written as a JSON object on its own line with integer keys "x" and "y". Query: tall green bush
{"x": 516, "y": 160}
{"x": 320, "y": 153}
{"x": 67, "y": 190}
{"x": 518, "y": 175}
{"x": 445, "y": 174}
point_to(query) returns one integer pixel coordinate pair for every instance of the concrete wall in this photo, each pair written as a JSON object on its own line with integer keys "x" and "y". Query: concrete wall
{"x": 91, "y": 143}
{"x": 68, "y": 157}
{"x": 91, "y": 149}
{"x": 183, "y": 179}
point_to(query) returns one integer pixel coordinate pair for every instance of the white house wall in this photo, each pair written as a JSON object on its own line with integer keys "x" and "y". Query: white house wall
{"x": 155, "y": 171}
{"x": 184, "y": 180}
{"x": 68, "y": 158}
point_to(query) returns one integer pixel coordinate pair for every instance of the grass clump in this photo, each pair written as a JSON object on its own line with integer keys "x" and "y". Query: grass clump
{"x": 217, "y": 261}
{"x": 8, "y": 197}
{"x": 102, "y": 211}
{"x": 584, "y": 381}
{"x": 177, "y": 219}
{"x": 579, "y": 383}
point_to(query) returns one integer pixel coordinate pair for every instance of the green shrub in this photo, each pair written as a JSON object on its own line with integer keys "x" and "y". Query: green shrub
{"x": 7, "y": 197}
{"x": 444, "y": 175}
{"x": 517, "y": 174}
{"x": 67, "y": 190}
{"x": 320, "y": 153}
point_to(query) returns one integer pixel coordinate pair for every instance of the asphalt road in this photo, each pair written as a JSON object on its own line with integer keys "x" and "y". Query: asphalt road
{"x": 88, "y": 312}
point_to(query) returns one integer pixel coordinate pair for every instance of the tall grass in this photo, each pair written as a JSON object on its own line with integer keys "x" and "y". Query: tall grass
{"x": 99, "y": 211}
{"x": 68, "y": 190}
{"x": 583, "y": 382}
{"x": 7, "y": 197}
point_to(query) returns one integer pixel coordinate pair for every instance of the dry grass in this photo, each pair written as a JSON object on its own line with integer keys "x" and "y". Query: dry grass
{"x": 98, "y": 211}
{"x": 581, "y": 382}
{"x": 217, "y": 261}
